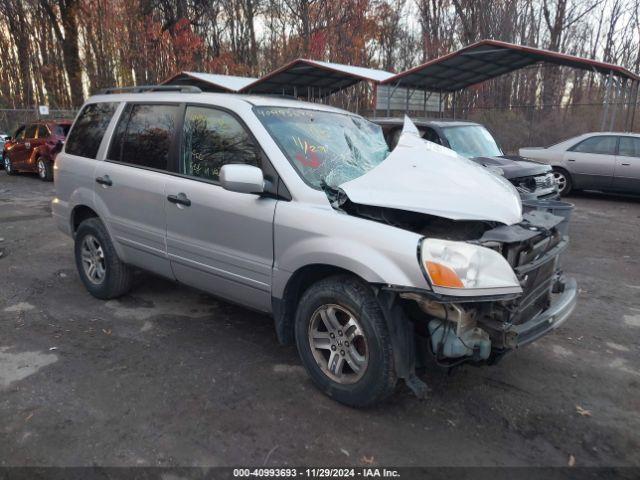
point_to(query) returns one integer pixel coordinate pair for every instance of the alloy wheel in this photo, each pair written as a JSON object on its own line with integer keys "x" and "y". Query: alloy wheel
{"x": 338, "y": 343}
{"x": 93, "y": 260}
{"x": 7, "y": 165}
{"x": 42, "y": 169}
{"x": 561, "y": 180}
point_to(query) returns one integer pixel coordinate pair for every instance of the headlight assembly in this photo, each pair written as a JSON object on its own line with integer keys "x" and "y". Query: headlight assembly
{"x": 463, "y": 269}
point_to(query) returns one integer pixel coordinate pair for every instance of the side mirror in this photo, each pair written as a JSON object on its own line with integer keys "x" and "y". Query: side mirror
{"x": 242, "y": 178}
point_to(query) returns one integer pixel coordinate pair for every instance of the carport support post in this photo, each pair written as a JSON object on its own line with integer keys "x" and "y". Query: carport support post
{"x": 424, "y": 103}
{"x": 406, "y": 102}
{"x": 614, "y": 104}
{"x": 440, "y": 103}
{"x": 635, "y": 103}
{"x": 453, "y": 105}
{"x": 606, "y": 101}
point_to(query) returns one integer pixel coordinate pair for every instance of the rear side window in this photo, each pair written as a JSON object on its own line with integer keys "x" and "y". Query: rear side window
{"x": 31, "y": 131}
{"x": 144, "y": 135}
{"x": 19, "y": 135}
{"x": 43, "y": 131}
{"x": 431, "y": 135}
{"x": 213, "y": 138}
{"x": 629, "y": 147}
{"x": 63, "y": 129}
{"x": 89, "y": 129}
{"x": 602, "y": 144}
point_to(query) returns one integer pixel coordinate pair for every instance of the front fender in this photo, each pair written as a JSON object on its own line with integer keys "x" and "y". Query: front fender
{"x": 376, "y": 252}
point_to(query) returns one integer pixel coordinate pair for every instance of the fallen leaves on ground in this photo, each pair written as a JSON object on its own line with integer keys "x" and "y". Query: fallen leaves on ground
{"x": 583, "y": 411}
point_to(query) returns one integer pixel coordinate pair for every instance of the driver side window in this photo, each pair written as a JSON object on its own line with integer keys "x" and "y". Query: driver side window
{"x": 213, "y": 138}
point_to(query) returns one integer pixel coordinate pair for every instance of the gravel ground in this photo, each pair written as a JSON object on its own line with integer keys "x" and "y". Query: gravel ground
{"x": 169, "y": 376}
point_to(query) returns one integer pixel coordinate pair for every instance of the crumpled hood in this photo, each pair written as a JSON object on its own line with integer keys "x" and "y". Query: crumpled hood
{"x": 514, "y": 166}
{"x": 424, "y": 177}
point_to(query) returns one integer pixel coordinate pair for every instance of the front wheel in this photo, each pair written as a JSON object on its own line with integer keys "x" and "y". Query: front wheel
{"x": 8, "y": 167}
{"x": 104, "y": 275}
{"x": 45, "y": 170}
{"x": 563, "y": 179}
{"x": 343, "y": 341}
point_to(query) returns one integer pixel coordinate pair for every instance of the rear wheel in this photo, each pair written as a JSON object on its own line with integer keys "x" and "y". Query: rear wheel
{"x": 104, "y": 275}
{"x": 45, "y": 170}
{"x": 8, "y": 166}
{"x": 343, "y": 341}
{"x": 563, "y": 179}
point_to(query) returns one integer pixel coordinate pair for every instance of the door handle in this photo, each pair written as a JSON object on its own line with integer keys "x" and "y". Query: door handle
{"x": 625, "y": 164}
{"x": 180, "y": 199}
{"x": 104, "y": 181}
{"x": 570, "y": 160}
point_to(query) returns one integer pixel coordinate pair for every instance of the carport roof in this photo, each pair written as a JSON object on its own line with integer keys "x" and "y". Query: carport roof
{"x": 488, "y": 59}
{"x": 303, "y": 73}
{"x": 210, "y": 82}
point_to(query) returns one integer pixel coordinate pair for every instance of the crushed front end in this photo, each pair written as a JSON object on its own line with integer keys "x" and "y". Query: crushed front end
{"x": 482, "y": 324}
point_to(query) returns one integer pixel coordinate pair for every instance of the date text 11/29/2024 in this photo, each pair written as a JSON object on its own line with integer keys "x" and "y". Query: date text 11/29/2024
{"x": 362, "y": 472}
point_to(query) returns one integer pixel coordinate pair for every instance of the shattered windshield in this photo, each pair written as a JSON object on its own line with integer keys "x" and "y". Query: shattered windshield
{"x": 472, "y": 141}
{"x": 326, "y": 148}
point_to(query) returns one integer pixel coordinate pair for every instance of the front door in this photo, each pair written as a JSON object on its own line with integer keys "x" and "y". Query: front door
{"x": 22, "y": 149}
{"x": 626, "y": 177}
{"x": 217, "y": 240}
{"x": 130, "y": 183}
{"x": 591, "y": 162}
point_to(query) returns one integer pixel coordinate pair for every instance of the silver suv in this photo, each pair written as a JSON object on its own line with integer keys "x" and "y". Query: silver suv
{"x": 371, "y": 261}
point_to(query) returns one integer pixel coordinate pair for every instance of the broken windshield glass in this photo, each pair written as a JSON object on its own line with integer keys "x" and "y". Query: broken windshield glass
{"x": 326, "y": 148}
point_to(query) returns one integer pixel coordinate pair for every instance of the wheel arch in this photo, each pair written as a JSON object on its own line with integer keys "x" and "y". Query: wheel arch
{"x": 79, "y": 214}
{"x": 284, "y": 308}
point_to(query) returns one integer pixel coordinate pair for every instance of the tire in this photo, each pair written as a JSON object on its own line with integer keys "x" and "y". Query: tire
{"x": 116, "y": 278}
{"x": 346, "y": 298}
{"x": 45, "y": 169}
{"x": 565, "y": 185}
{"x": 8, "y": 166}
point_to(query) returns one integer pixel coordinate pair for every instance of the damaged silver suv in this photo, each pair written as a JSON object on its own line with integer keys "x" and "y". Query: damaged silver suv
{"x": 367, "y": 259}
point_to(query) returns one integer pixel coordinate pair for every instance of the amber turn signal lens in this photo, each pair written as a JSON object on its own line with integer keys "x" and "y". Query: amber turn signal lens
{"x": 443, "y": 276}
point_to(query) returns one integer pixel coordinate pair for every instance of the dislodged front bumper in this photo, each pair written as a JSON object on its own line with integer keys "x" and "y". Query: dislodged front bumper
{"x": 558, "y": 312}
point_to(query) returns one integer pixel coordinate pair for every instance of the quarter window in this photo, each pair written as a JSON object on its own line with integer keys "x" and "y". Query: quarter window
{"x": 89, "y": 129}
{"x": 144, "y": 135}
{"x": 602, "y": 144}
{"x": 629, "y": 146}
{"x": 19, "y": 135}
{"x": 213, "y": 138}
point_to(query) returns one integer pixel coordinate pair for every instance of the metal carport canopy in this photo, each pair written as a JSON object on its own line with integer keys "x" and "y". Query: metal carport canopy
{"x": 488, "y": 59}
{"x": 210, "y": 82}
{"x": 311, "y": 77}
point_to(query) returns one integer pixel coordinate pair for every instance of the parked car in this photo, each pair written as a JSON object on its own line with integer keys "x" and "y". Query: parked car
{"x": 533, "y": 180}
{"x": 606, "y": 161}
{"x": 34, "y": 147}
{"x": 299, "y": 210}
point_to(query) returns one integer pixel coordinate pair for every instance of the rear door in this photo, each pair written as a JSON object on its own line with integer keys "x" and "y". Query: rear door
{"x": 627, "y": 170}
{"x": 130, "y": 183}
{"x": 217, "y": 240}
{"x": 42, "y": 133}
{"x": 591, "y": 162}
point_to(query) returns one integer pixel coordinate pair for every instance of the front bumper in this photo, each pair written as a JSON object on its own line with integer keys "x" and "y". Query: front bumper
{"x": 548, "y": 320}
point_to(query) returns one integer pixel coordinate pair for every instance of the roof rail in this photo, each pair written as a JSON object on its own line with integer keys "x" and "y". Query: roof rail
{"x": 151, "y": 88}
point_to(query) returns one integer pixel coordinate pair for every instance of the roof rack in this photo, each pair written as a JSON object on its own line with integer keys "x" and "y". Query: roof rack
{"x": 151, "y": 88}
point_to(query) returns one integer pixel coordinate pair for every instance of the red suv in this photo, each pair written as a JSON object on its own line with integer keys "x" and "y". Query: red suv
{"x": 34, "y": 147}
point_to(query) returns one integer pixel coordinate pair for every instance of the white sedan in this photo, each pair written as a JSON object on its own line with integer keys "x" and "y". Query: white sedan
{"x": 606, "y": 161}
